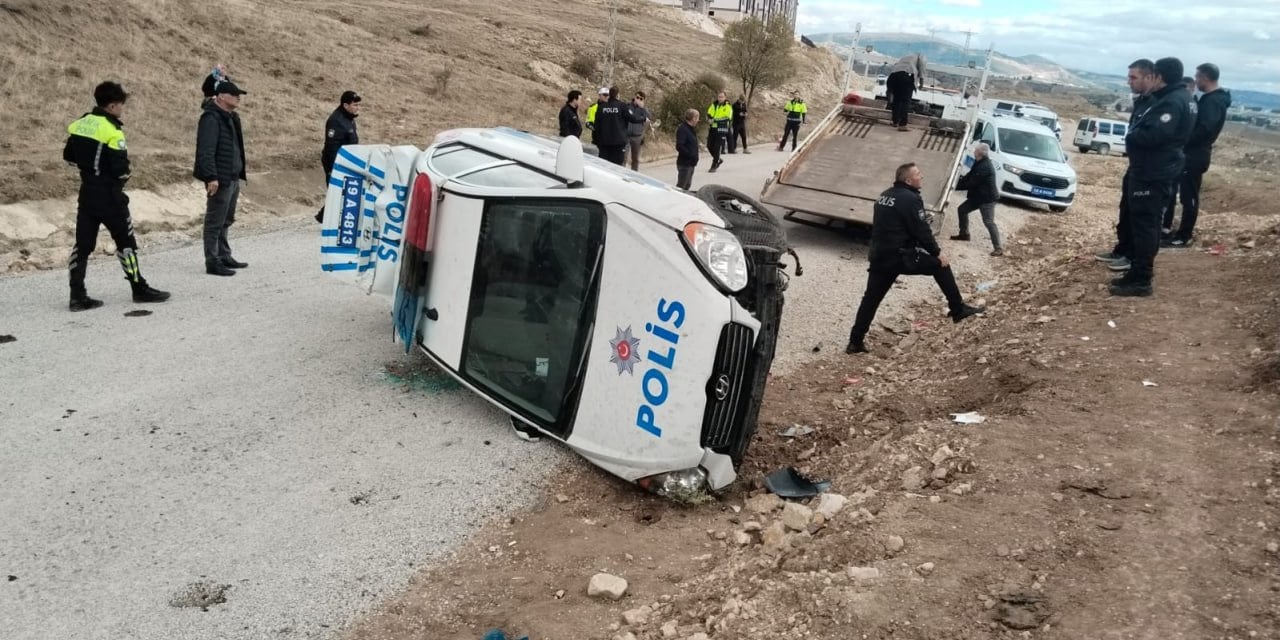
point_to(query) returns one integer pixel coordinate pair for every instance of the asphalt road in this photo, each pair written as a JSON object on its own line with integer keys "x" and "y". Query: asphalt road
{"x": 244, "y": 435}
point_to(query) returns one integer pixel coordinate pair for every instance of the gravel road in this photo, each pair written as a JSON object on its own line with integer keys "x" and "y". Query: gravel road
{"x": 244, "y": 442}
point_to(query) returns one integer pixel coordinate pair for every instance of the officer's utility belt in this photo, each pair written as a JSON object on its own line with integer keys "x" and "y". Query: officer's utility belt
{"x": 793, "y": 117}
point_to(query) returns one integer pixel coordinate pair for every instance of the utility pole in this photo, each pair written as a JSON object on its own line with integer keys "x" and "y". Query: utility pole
{"x": 853, "y": 48}
{"x": 967, "y": 35}
{"x": 611, "y": 46}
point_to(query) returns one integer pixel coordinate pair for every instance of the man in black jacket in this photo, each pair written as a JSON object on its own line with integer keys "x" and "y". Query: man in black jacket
{"x": 1154, "y": 145}
{"x": 570, "y": 125}
{"x": 1211, "y": 115}
{"x": 739, "y": 131}
{"x": 612, "y": 118}
{"x": 980, "y": 182}
{"x": 687, "y": 149}
{"x": 1142, "y": 77}
{"x": 902, "y": 244}
{"x": 96, "y": 146}
{"x": 220, "y": 166}
{"x": 339, "y": 131}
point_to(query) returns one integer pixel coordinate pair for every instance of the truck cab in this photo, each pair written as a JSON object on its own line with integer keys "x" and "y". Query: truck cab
{"x": 625, "y": 318}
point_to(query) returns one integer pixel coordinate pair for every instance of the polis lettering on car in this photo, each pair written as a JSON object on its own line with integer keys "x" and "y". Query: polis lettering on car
{"x": 393, "y": 228}
{"x": 654, "y": 385}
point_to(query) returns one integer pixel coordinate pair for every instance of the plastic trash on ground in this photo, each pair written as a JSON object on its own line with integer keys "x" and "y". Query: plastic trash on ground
{"x": 972, "y": 417}
{"x": 788, "y": 483}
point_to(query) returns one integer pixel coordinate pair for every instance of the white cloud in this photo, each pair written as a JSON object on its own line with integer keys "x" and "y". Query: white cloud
{"x": 1261, "y": 35}
{"x": 963, "y": 3}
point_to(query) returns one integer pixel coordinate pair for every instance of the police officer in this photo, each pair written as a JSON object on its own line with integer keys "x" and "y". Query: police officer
{"x": 796, "y": 112}
{"x": 339, "y": 130}
{"x": 570, "y": 125}
{"x": 1154, "y": 145}
{"x": 739, "y": 126}
{"x": 719, "y": 120}
{"x": 902, "y": 244}
{"x": 613, "y": 117}
{"x": 1141, "y": 78}
{"x": 96, "y": 146}
{"x": 1211, "y": 114}
{"x": 602, "y": 96}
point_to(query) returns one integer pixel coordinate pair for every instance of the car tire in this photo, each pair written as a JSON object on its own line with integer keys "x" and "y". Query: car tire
{"x": 1057, "y": 208}
{"x": 1083, "y": 149}
{"x": 1104, "y": 149}
{"x": 746, "y": 218}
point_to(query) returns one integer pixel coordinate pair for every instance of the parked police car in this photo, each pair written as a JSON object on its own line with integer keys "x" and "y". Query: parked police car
{"x": 628, "y": 319}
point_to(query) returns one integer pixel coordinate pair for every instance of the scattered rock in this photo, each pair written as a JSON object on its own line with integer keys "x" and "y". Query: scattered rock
{"x": 925, "y": 569}
{"x": 894, "y": 544}
{"x": 560, "y": 594}
{"x": 796, "y": 516}
{"x": 764, "y": 503}
{"x": 943, "y": 454}
{"x": 1021, "y": 609}
{"x": 913, "y": 479}
{"x": 963, "y": 488}
{"x": 201, "y": 595}
{"x": 731, "y": 607}
{"x": 1002, "y": 551}
{"x": 863, "y": 573}
{"x": 625, "y": 636}
{"x": 698, "y": 636}
{"x": 741, "y": 538}
{"x": 1272, "y": 547}
{"x": 670, "y": 629}
{"x": 13, "y": 578}
{"x": 752, "y": 525}
{"x": 940, "y": 473}
{"x": 829, "y": 504}
{"x": 935, "y": 499}
{"x": 774, "y": 537}
{"x": 137, "y": 313}
{"x": 603, "y": 585}
{"x": 562, "y": 498}
{"x": 637, "y": 616}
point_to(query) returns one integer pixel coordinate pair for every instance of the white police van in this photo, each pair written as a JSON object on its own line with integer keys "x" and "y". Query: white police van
{"x": 628, "y": 319}
{"x": 1028, "y": 158}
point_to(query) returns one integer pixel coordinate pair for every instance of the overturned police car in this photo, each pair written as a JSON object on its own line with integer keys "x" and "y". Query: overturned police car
{"x": 628, "y": 319}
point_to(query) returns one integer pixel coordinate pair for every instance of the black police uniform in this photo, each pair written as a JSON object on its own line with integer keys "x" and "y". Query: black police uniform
{"x": 1154, "y": 145}
{"x": 339, "y": 130}
{"x": 1211, "y": 115}
{"x": 1124, "y": 243}
{"x": 96, "y": 146}
{"x": 902, "y": 244}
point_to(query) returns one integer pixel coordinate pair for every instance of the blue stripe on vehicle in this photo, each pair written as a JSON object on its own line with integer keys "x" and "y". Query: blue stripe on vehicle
{"x": 345, "y": 266}
{"x": 352, "y": 158}
{"x": 337, "y": 182}
{"x": 366, "y": 267}
{"x": 377, "y": 172}
{"x": 371, "y": 197}
{"x": 355, "y": 173}
{"x": 347, "y": 250}
{"x": 328, "y": 233}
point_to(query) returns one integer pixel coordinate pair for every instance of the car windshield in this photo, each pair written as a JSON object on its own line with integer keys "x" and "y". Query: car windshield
{"x": 532, "y": 303}
{"x": 1030, "y": 144}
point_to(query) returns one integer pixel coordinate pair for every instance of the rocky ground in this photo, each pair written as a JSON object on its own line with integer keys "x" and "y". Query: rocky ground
{"x": 1122, "y": 482}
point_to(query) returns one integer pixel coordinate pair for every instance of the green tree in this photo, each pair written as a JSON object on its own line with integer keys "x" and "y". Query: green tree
{"x": 758, "y": 54}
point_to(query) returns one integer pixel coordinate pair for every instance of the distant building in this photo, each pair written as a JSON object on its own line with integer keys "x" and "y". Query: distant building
{"x": 730, "y": 10}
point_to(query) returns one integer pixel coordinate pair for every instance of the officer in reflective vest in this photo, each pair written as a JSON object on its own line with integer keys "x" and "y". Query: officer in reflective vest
{"x": 796, "y": 111}
{"x": 720, "y": 119}
{"x": 96, "y": 146}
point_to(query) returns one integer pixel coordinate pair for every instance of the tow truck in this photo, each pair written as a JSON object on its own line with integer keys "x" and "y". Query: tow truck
{"x": 628, "y": 319}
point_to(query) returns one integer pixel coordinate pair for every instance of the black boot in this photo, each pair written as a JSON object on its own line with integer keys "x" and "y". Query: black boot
{"x": 143, "y": 292}
{"x": 216, "y": 268}
{"x": 856, "y": 345}
{"x": 962, "y": 236}
{"x": 80, "y": 301}
{"x": 231, "y": 263}
{"x": 965, "y": 311}
{"x": 1131, "y": 289}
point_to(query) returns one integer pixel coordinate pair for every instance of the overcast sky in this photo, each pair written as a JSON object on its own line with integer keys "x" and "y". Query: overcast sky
{"x": 1241, "y": 36}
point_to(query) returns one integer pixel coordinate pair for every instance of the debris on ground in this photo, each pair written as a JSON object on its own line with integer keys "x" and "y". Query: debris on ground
{"x": 972, "y": 417}
{"x": 607, "y": 586}
{"x": 201, "y": 595}
{"x": 788, "y": 483}
{"x": 6, "y": 338}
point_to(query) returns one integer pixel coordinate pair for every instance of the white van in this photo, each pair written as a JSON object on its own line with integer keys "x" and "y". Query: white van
{"x": 1029, "y": 110}
{"x": 628, "y": 319}
{"x": 1101, "y": 135}
{"x": 1029, "y": 162}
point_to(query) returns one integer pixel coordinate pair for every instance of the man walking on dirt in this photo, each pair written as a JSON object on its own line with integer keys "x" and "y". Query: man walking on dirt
{"x": 220, "y": 165}
{"x": 902, "y": 244}
{"x": 904, "y": 75}
{"x": 339, "y": 130}
{"x": 96, "y": 146}
{"x": 980, "y": 183}
{"x": 687, "y": 149}
{"x": 796, "y": 112}
{"x": 570, "y": 125}
{"x": 719, "y": 119}
{"x": 1211, "y": 115}
{"x": 1154, "y": 145}
{"x": 1141, "y": 78}
{"x": 612, "y": 119}
{"x": 739, "y": 131}
{"x": 635, "y": 130}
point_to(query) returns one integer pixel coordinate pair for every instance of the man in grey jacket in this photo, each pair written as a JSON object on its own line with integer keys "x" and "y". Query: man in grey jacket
{"x": 220, "y": 166}
{"x": 904, "y": 75}
{"x": 635, "y": 130}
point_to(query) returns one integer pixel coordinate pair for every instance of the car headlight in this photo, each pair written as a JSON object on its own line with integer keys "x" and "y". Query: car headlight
{"x": 1012, "y": 169}
{"x": 719, "y": 253}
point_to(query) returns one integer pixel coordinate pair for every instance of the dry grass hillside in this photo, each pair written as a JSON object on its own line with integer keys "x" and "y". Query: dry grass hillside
{"x": 421, "y": 67}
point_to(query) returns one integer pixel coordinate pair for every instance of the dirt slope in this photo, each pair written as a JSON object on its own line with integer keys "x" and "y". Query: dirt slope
{"x": 1089, "y": 504}
{"x": 421, "y": 67}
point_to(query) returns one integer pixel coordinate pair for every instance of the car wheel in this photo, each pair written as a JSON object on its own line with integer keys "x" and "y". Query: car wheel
{"x": 1104, "y": 149}
{"x": 749, "y": 220}
{"x": 1083, "y": 149}
{"x": 1057, "y": 208}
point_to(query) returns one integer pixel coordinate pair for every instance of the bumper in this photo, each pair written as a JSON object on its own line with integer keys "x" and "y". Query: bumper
{"x": 1022, "y": 191}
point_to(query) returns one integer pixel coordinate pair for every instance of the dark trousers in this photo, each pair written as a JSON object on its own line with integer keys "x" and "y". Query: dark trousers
{"x": 900, "y": 86}
{"x": 615, "y": 153}
{"x": 1189, "y": 191}
{"x": 108, "y": 206}
{"x": 988, "y": 211}
{"x": 739, "y": 133}
{"x": 633, "y": 151}
{"x": 1124, "y": 242}
{"x": 1147, "y": 200}
{"x": 684, "y": 176}
{"x": 878, "y": 285}
{"x": 219, "y": 215}
{"x": 792, "y": 130}
{"x": 715, "y": 144}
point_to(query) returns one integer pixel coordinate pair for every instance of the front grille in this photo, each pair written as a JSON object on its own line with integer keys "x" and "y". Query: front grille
{"x": 727, "y": 392}
{"x": 1048, "y": 182}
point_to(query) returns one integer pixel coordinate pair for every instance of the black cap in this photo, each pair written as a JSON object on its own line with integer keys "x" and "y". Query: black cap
{"x": 349, "y": 97}
{"x": 227, "y": 86}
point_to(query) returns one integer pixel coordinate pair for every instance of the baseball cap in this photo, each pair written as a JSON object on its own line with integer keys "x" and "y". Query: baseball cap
{"x": 227, "y": 86}
{"x": 604, "y": 91}
{"x": 349, "y": 97}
